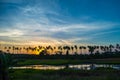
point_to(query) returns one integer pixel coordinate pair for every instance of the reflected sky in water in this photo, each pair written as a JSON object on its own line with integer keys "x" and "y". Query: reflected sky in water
{"x": 78, "y": 66}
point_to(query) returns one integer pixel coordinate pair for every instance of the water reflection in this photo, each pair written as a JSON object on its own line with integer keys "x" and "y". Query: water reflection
{"x": 78, "y": 66}
{"x": 42, "y": 67}
{"x": 81, "y": 66}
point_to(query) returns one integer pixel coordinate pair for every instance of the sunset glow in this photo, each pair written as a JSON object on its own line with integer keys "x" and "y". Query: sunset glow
{"x": 59, "y": 22}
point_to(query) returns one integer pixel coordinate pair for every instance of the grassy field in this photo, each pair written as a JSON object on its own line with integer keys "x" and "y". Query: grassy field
{"x": 65, "y": 61}
{"x": 65, "y": 74}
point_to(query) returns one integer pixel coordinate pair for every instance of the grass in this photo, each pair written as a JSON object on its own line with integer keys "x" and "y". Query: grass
{"x": 65, "y": 74}
{"x": 65, "y": 61}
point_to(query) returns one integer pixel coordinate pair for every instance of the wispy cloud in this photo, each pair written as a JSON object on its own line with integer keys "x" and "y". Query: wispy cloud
{"x": 60, "y": 34}
{"x": 44, "y": 22}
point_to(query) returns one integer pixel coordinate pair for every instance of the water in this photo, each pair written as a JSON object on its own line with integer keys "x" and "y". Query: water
{"x": 78, "y": 66}
{"x": 93, "y": 66}
{"x": 42, "y": 67}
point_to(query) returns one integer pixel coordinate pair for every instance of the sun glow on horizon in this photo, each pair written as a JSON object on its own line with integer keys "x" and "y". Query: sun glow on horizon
{"x": 38, "y": 51}
{"x": 59, "y": 23}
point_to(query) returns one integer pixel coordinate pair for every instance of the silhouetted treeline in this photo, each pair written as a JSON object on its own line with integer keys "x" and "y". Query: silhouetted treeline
{"x": 65, "y": 49}
{"x": 66, "y": 52}
{"x": 75, "y": 56}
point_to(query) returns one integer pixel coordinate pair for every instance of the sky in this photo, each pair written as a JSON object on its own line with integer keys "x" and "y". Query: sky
{"x": 48, "y": 22}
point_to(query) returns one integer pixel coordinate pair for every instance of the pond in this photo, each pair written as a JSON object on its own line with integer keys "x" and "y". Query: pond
{"x": 78, "y": 66}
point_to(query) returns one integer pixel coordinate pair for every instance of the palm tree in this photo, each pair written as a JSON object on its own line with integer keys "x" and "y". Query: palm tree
{"x": 97, "y": 48}
{"x": 67, "y": 52}
{"x": 51, "y": 49}
{"x": 75, "y": 47}
{"x": 43, "y": 52}
{"x": 8, "y": 49}
{"x": 67, "y": 48}
{"x": 80, "y": 49}
{"x": 102, "y": 48}
{"x": 13, "y": 48}
{"x": 27, "y": 49}
{"x": 84, "y": 48}
{"x": 60, "y": 49}
{"x": 24, "y": 49}
{"x": 54, "y": 49}
{"x": 5, "y": 48}
{"x": 64, "y": 47}
{"x": 72, "y": 49}
{"x": 20, "y": 49}
{"x": 111, "y": 47}
{"x": 17, "y": 49}
{"x": 117, "y": 47}
{"x": 40, "y": 47}
{"x": 91, "y": 49}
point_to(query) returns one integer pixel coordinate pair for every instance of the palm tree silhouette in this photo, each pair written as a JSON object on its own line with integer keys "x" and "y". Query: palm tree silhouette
{"x": 75, "y": 48}
{"x": 84, "y": 48}
{"x": 60, "y": 49}
{"x": 64, "y": 48}
{"x": 110, "y": 48}
{"x": 91, "y": 49}
{"x": 67, "y": 52}
{"x": 13, "y": 48}
{"x": 5, "y": 48}
{"x": 72, "y": 48}
{"x": 80, "y": 49}
{"x": 117, "y": 48}
{"x": 17, "y": 49}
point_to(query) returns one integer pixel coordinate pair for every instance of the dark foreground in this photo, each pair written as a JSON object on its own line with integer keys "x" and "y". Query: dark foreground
{"x": 66, "y": 61}
{"x": 65, "y": 74}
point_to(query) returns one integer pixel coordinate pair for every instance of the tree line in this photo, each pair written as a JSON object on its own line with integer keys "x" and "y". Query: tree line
{"x": 63, "y": 49}
{"x": 72, "y": 52}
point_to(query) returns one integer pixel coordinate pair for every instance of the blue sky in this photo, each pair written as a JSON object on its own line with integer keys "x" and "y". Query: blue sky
{"x": 60, "y": 21}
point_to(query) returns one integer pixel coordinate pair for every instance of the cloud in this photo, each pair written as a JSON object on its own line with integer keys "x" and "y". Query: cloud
{"x": 44, "y": 23}
{"x": 12, "y": 33}
{"x": 104, "y": 33}
{"x": 34, "y": 31}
